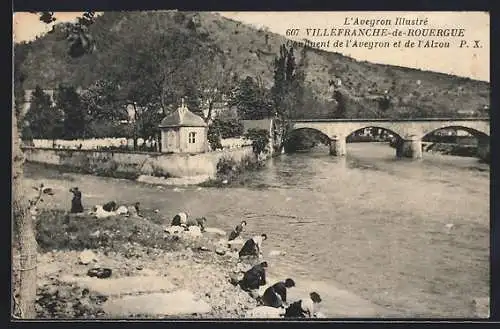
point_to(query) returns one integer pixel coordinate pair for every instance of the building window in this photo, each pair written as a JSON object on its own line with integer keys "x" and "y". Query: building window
{"x": 192, "y": 137}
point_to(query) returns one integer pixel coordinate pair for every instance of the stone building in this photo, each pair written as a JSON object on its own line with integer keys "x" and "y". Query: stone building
{"x": 183, "y": 132}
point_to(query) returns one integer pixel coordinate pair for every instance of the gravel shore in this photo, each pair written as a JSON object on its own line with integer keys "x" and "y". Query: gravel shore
{"x": 140, "y": 253}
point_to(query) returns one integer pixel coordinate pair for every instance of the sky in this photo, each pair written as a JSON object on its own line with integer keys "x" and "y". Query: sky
{"x": 468, "y": 62}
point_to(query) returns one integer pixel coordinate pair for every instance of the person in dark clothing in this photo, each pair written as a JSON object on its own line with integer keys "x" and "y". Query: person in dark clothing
{"x": 252, "y": 246}
{"x": 237, "y": 230}
{"x": 76, "y": 202}
{"x": 303, "y": 308}
{"x": 110, "y": 206}
{"x": 254, "y": 277}
{"x": 137, "y": 206}
{"x": 275, "y": 295}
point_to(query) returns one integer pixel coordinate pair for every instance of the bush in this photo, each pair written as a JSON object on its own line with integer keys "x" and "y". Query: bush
{"x": 260, "y": 140}
{"x": 214, "y": 138}
{"x": 227, "y": 168}
{"x": 230, "y": 170}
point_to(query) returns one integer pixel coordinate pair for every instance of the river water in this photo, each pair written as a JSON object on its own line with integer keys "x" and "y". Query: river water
{"x": 374, "y": 225}
{"x": 368, "y": 224}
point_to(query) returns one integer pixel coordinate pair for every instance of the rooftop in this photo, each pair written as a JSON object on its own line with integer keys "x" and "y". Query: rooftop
{"x": 182, "y": 117}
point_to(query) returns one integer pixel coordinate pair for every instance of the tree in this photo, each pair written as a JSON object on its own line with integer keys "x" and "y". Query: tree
{"x": 341, "y": 100}
{"x": 288, "y": 88}
{"x": 68, "y": 101}
{"x": 44, "y": 120}
{"x": 101, "y": 102}
{"x": 146, "y": 123}
{"x": 24, "y": 241}
{"x": 156, "y": 68}
{"x": 252, "y": 99}
{"x": 25, "y": 260}
{"x": 215, "y": 81}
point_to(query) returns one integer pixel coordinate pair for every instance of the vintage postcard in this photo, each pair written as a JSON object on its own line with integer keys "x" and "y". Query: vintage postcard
{"x": 251, "y": 165}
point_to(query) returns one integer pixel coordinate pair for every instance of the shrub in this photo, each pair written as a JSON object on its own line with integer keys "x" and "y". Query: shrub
{"x": 260, "y": 140}
{"x": 214, "y": 138}
{"x": 227, "y": 168}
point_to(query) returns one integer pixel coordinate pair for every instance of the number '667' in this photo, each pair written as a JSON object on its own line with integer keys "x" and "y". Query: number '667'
{"x": 292, "y": 32}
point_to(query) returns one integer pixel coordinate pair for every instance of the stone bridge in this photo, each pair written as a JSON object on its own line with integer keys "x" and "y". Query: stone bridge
{"x": 409, "y": 132}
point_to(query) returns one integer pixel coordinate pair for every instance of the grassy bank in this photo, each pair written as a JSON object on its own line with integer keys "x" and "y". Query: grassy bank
{"x": 102, "y": 172}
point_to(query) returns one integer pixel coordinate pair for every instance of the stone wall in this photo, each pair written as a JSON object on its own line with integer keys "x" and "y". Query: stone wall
{"x": 155, "y": 164}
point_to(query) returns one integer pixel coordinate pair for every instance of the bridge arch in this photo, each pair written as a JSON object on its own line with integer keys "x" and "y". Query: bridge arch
{"x": 391, "y": 131}
{"x": 319, "y": 129}
{"x": 296, "y": 138}
{"x": 479, "y": 133}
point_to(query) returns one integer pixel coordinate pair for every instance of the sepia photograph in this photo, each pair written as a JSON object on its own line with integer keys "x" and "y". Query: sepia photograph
{"x": 207, "y": 165}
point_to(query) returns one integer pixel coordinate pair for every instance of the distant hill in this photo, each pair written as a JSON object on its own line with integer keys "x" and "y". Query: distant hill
{"x": 414, "y": 93}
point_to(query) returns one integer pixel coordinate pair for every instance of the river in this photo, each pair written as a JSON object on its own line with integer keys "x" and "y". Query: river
{"x": 377, "y": 225}
{"x": 368, "y": 224}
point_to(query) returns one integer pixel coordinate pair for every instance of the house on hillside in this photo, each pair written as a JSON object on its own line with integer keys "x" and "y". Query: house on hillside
{"x": 182, "y": 131}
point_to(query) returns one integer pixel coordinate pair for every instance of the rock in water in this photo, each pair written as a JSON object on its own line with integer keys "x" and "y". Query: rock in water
{"x": 86, "y": 257}
{"x": 264, "y": 312}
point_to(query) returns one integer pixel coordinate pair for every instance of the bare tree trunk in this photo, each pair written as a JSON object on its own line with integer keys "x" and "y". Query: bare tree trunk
{"x": 24, "y": 246}
{"x": 136, "y": 122}
{"x": 208, "y": 119}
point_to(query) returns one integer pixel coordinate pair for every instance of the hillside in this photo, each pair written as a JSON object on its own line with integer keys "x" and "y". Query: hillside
{"x": 414, "y": 93}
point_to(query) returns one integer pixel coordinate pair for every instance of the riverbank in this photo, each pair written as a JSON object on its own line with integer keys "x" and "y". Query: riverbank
{"x": 451, "y": 149}
{"x": 228, "y": 173}
{"x": 126, "y": 164}
{"x": 146, "y": 262}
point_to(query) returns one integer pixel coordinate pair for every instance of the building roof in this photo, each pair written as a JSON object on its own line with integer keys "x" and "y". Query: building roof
{"x": 182, "y": 117}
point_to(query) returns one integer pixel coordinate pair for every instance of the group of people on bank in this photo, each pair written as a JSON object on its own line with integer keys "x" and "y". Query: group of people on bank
{"x": 274, "y": 296}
